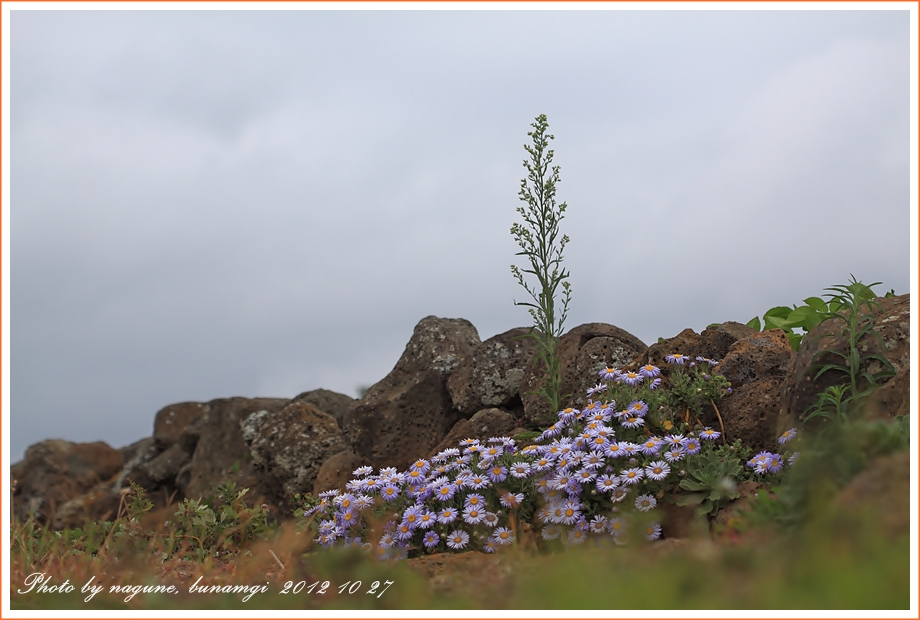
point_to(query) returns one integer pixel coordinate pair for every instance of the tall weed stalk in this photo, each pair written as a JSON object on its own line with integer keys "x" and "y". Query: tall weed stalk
{"x": 540, "y": 242}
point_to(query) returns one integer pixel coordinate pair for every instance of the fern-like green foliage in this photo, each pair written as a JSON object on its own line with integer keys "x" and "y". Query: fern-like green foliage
{"x": 540, "y": 241}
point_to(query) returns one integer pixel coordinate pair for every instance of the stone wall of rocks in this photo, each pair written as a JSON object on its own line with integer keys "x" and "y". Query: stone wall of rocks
{"x": 447, "y": 386}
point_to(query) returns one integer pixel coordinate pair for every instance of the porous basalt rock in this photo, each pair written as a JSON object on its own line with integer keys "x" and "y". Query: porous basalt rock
{"x": 410, "y": 411}
{"x": 491, "y": 375}
{"x": 582, "y": 352}
{"x": 484, "y": 425}
{"x": 56, "y": 471}
{"x": 757, "y": 368}
{"x": 220, "y": 453}
{"x": 292, "y": 444}
{"x": 333, "y": 403}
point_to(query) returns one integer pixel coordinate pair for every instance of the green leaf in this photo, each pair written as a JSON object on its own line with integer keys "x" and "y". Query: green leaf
{"x": 689, "y": 499}
{"x": 817, "y": 303}
{"x": 801, "y": 316}
{"x": 753, "y": 324}
{"x": 772, "y": 322}
{"x": 779, "y": 311}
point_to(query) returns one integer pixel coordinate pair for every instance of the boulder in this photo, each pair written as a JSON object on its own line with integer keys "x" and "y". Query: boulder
{"x": 333, "y": 403}
{"x": 220, "y": 453}
{"x": 99, "y": 504}
{"x": 291, "y": 445}
{"x": 409, "y": 411}
{"x": 491, "y": 375}
{"x": 892, "y": 325}
{"x": 713, "y": 343}
{"x": 485, "y": 424}
{"x": 55, "y": 471}
{"x": 170, "y": 422}
{"x": 757, "y": 368}
{"x": 582, "y": 352}
{"x": 336, "y": 471}
{"x": 135, "y": 455}
{"x": 160, "y": 470}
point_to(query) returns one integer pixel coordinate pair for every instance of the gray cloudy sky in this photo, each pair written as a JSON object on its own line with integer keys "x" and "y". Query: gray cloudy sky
{"x": 236, "y": 203}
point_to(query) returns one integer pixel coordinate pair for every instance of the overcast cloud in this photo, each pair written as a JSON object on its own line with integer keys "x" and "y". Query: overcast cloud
{"x": 208, "y": 204}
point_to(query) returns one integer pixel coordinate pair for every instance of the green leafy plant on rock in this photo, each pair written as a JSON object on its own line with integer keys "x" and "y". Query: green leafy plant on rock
{"x": 540, "y": 242}
{"x": 843, "y": 399}
{"x": 712, "y": 478}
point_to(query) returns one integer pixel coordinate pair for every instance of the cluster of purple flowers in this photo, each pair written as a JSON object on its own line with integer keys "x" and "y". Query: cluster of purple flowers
{"x": 588, "y": 474}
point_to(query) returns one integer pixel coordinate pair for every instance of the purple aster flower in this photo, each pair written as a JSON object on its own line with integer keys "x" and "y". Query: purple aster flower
{"x": 571, "y": 512}
{"x": 616, "y": 526}
{"x": 503, "y": 536}
{"x": 386, "y": 541}
{"x": 445, "y": 492}
{"x": 520, "y": 469}
{"x": 550, "y": 532}
{"x": 511, "y": 500}
{"x": 577, "y": 536}
{"x": 593, "y": 460}
{"x": 707, "y": 434}
{"x": 403, "y": 531}
{"x": 600, "y": 387}
{"x": 473, "y": 515}
{"x": 421, "y": 465}
{"x": 631, "y": 475}
{"x": 607, "y": 483}
{"x": 598, "y": 524}
{"x": 649, "y": 371}
{"x": 674, "y": 441}
{"x": 692, "y": 446}
{"x": 560, "y": 481}
{"x": 447, "y": 515}
{"x": 367, "y": 470}
{"x": 775, "y": 464}
{"x": 490, "y": 546}
{"x": 644, "y": 503}
{"x": 415, "y": 477}
{"x": 389, "y": 492}
{"x": 631, "y": 378}
{"x": 651, "y": 446}
{"x": 608, "y": 373}
{"x": 431, "y": 540}
{"x": 674, "y": 454}
{"x": 475, "y": 499}
{"x": 793, "y": 458}
{"x": 541, "y": 465}
{"x": 654, "y": 385}
{"x": 426, "y": 519}
{"x": 498, "y": 473}
{"x": 619, "y": 494}
{"x": 653, "y": 531}
{"x": 630, "y": 450}
{"x": 492, "y": 452}
{"x": 598, "y": 442}
{"x": 632, "y": 422}
{"x": 676, "y": 358}
{"x": 458, "y": 539}
{"x": 657, "y": 470}
{"x": 787, "y": 436}
{"x": 637, "y": 408}
{"x": 614, "y": 450}
{"x": 490, "y": 519}
{"x": 585, "y": 475}
{"x": 476, "y": 481}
